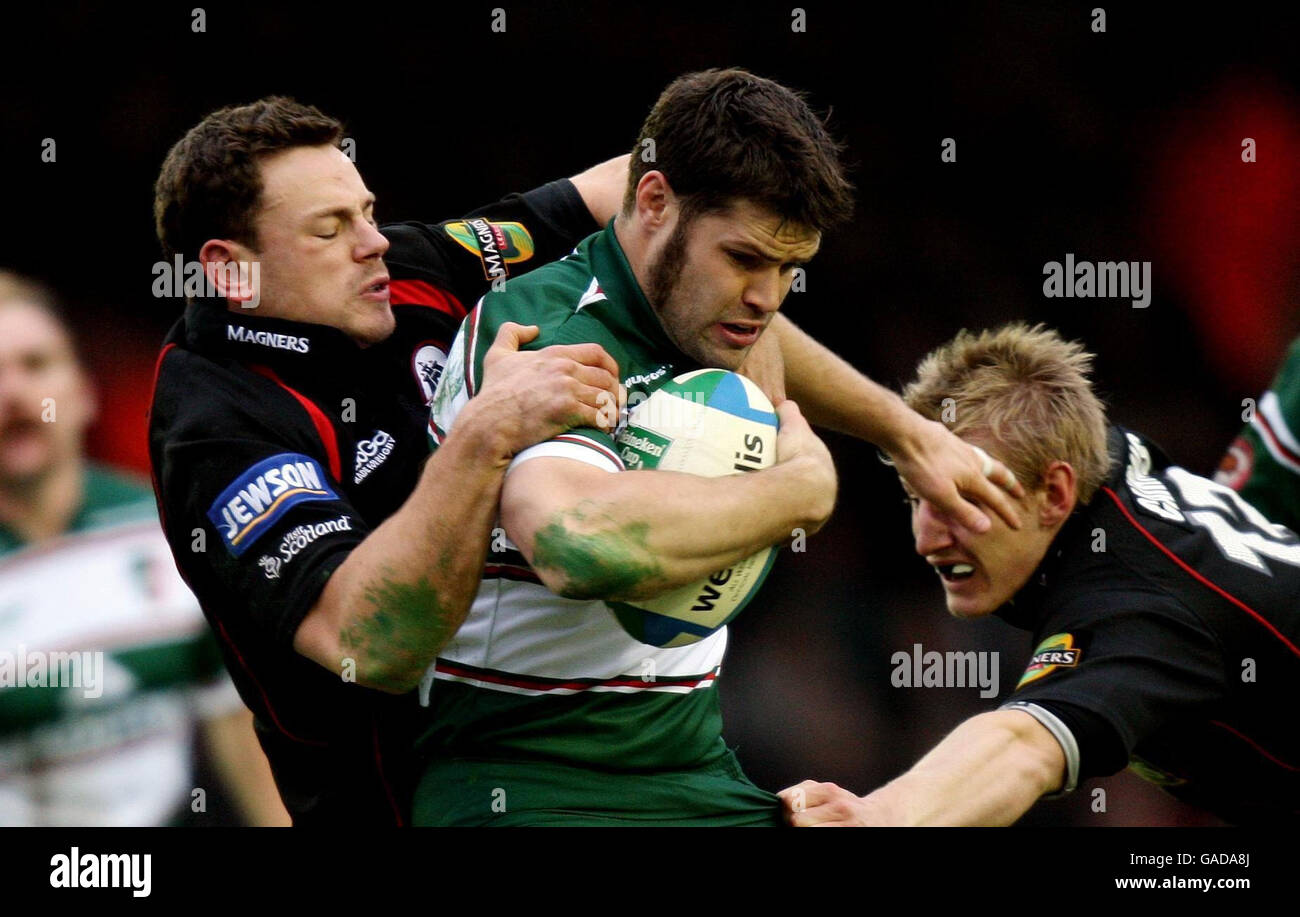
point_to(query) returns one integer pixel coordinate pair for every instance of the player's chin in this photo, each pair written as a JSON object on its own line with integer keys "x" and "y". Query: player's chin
{"x": 375, "y": 323}
{"x": 721, "y": 357}
{"x": 969, "y": 606}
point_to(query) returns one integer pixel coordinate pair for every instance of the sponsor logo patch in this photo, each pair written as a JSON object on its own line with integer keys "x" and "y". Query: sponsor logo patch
{"x": 371, "y": 454}
{"x": 1152, "y": 774}
{"x": 496, "y": 244}
{"x": 298, "y": 538}
{"x": 1057, "y": 651}
{"x": 267, "y": 339}
{"x": 262, "y": 494}
{"x": 641, "y": 448}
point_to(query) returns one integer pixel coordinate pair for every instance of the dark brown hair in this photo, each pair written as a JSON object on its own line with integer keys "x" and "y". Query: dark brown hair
{"x": 720, "y": 136}
{"x": 210, "y": 184}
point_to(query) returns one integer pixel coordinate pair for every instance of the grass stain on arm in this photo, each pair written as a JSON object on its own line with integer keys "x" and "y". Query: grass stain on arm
{"x": 599, "y": 565}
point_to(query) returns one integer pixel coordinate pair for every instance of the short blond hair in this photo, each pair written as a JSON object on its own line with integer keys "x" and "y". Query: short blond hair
{"x": 1027, "y": 390}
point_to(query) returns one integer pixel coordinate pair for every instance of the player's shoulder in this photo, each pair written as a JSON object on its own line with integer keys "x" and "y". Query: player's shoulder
{"x": 1196, "y": 538}
{"x": 109, "y": 486}
{"x": 1112, "y": 556}
{"x": 1291, "y": 362}
{"x": 207, "y": 396}
{"x": 438, "y": 252}
{"x": 113, "y": 496}
{"x": 549, "y": 296}
{"x": 413, "y": 248}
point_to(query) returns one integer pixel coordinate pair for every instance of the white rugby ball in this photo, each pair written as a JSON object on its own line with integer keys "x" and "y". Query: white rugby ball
{"x": 710, "y": 422}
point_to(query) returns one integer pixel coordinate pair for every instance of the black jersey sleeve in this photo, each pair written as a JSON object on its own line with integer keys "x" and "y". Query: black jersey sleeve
{"x": 456, "y": 261}
{"x": 255, "y": 515}
{"x": 1117, "y": 666}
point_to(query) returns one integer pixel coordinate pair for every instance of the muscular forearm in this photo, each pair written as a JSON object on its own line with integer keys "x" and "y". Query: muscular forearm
{"x": 836, "y": 396}
{"x": 403, "y": 592}
{"x": 637, "y": 535}
{"x": 988, "y": 771}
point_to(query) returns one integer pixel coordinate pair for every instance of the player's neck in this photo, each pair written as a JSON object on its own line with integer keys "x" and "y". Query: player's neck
{"x": 635, "y": 246}
{"x": 42, "y": 509}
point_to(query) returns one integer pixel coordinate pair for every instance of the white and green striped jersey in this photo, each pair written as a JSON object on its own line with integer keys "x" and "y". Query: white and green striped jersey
{"x": 106, "y": 664}
{"x": 530, "y": 673}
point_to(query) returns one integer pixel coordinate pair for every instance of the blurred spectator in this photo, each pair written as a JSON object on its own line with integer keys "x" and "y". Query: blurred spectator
{"x": 94, "y": 615}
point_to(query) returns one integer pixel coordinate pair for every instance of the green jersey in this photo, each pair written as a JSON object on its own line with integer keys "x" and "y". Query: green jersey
{"x": 106, "y": 664}
{"x": 1263, "y": 463}
{"x": 531, "y": 675}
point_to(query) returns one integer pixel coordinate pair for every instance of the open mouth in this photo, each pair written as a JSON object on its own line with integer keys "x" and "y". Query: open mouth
{"x": 955, "y": 573}
{"x": 377, "y": 289}
{"x": 738, "y": 334}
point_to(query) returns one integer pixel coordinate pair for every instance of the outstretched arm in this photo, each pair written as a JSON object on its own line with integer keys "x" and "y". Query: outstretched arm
{"x": 940, "y": 467}
{"x": 988, "y": 771}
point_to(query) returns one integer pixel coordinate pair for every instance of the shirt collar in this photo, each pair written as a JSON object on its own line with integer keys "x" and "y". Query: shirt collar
{"x": 633, "y": 316}
{"x": 291, "y": 348}
{"x": 1026, "y": 607}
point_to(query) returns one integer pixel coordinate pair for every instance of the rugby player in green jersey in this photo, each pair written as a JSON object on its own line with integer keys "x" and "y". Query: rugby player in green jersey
{"x": 542, "y": 712}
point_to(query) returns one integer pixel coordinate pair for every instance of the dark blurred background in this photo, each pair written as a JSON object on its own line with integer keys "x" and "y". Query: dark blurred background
{"x": 1122, "y": 145}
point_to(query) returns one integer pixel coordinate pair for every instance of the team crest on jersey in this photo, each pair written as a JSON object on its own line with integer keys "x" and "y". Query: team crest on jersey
{"x": 1235, "y": 468}
{"x": 427, "y": 364}
{"x": 262, "y": 494}
{"x": 1056, "y": 652}
{"x": 497, "y": 244}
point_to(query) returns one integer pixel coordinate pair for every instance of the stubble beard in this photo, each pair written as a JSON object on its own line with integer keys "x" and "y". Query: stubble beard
{"x": 663, "y": 278}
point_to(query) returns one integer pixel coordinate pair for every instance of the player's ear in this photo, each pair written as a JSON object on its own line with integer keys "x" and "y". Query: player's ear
{"x": 654, "y": 197}
{"x": 1059, "y": 493}
{"x": 229, "y": 268}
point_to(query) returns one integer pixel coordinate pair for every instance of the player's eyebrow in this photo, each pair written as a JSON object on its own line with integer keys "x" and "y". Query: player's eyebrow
{"x": 750, "y": 248}
{"x": 334, "y": 210}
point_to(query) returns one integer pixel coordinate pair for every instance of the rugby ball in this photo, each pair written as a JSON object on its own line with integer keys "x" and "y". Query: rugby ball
{"x": 710, "y": 422}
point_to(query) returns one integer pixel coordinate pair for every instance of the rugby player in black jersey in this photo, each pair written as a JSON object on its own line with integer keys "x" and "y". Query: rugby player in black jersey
{"x": 1165, "y": 611}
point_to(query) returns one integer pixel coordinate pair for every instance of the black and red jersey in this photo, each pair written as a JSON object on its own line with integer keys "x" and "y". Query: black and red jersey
{"x": 277, "y": 446}
{"x": 1166, "y": 618}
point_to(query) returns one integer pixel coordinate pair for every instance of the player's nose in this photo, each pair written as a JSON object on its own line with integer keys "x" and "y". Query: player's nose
{"x": 763, "y": 292}
{"x": 930, "y": 530}
{"x": 371, "y": 243}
